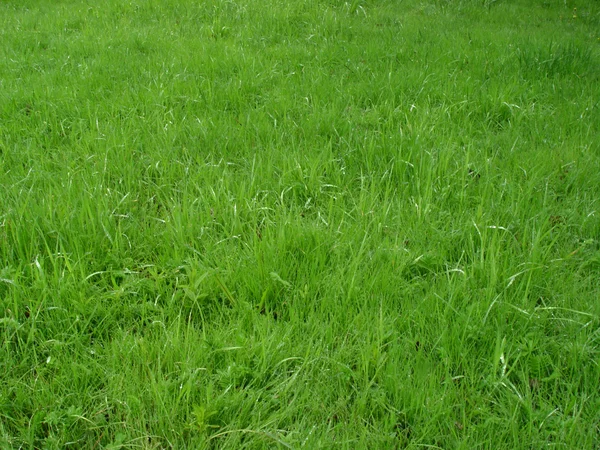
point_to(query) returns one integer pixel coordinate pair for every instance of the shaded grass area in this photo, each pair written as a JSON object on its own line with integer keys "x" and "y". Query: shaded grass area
{"x": 299, "y": 224}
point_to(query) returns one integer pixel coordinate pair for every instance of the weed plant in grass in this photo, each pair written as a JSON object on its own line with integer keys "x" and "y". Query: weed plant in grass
{"x": 286, "y": 224}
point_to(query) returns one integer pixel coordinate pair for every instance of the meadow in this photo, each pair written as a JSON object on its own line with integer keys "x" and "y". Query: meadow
{"x": 300, "y": 224}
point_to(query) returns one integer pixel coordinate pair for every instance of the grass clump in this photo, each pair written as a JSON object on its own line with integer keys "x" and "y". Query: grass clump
{"x": 299, "y": 224}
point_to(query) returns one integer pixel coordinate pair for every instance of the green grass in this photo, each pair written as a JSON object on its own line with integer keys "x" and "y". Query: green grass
{"x": 300, "y": 224}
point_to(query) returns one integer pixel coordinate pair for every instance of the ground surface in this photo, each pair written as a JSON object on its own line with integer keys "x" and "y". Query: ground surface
{"x": 299, "y": 224}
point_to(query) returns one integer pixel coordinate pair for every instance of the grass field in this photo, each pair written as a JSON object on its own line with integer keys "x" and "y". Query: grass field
{"x": 300, "y": 224}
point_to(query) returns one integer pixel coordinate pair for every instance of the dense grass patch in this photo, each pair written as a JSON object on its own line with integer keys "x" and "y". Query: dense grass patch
{"x": 318, "y": 224}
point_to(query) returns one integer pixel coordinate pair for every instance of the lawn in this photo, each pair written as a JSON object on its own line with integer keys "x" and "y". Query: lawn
{"x": 300, "y": 224}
